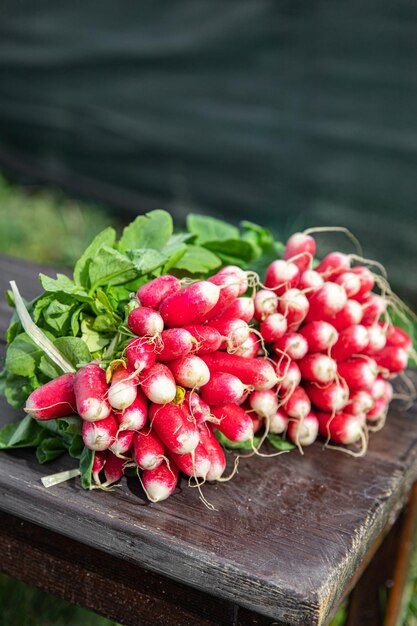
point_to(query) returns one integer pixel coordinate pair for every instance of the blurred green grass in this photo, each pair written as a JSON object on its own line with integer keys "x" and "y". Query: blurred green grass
{"x": 46, "y": 226}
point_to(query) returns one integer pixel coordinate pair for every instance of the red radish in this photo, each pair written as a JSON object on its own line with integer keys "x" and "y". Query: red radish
{"x": 54, "y": 399}
{"x": 341, "y": 428}
{"x": 294, "y": 305}
{"x": 398, "y": 337}
{"x": 199, "y": 409}
{"x": 113, "y": 468}
{"x": 241, "y": 308}
{"x": 359, "y": 402}
{"x": 310, "y": 280}
{"x": 140, "y": 353}
{"x": 300, "y": 250}
{"x": 239, "y": 276}
{"x": 99, "y": 435}
{"x": 326, "y": 302}
{"x": 333, "y": 264}
{"x": 134, "y": 416}
{"x": 174, "y": 342}
{"x": 349, "y": 315}
{"x": 389, "y": 392}
{"x": 158, "y": 384}
{"x": 223, "y": 388}
{"x": 145, "y": 322}
{"x": 265, "y": 303}
{"x": 257, "y": 422}
{"x": 298, "y": 404}
{"x": 148, "y": 449}
{"x": 235, "y": 423}
{"x": 289, "y": 375}
{"x": 258, "y": 373}
{"x": 281, "y": 275}
{"x": 190, "y": 371}
{"x": 352, "y": 340}
{"x": 350, "y": 281}
{"x": 392, "y": 358}
{"x": 214, "y": 452}
{"x": 359, "y": 373}
{"x": 152, "y": 293}
{"x": 234, "y": 331}
{"x": 320, "y": 336}
{"x": 317, "y": 367}
{"x": 229, "y": 291}
{"x": 303, "y": 432}
{"x": 264, "y": 403}
{"x": 366, "y": 279}
{"x": 249, "y": 348}
{"x": 189, "y": 304}
{"x": 207, "y": 339}
{"x": 293, "y": 345}
{"x": 160, "y": 483}
{"x": 278, "y": 422}
{"x": 98, "y": 464}
{"x": 123, "y": 442}
{"x": 91, "y": 390}
{"x": 195, "y": 463}
{"x": 273, "y": 327}
{"x": 378, "y": 388}
{"x": 378, "y": 411}
{"x": 123, "y": 388}
{"x": 331, "y": 398}
{"x": 377, "y": 339}
{"x": 373, "y": 306}
{"x": 175, "y": 427}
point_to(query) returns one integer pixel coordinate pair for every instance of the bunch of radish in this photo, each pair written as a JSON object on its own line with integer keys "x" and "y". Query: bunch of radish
{"x": 308, "y": 352}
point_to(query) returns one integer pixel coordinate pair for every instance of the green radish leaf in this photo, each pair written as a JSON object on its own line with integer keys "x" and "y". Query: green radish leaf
{"x": 210, "y": 229}
{"x": 104, "y": 324}
{"x": 49, "y": 449}
{"x": 86, "y": 467}
{"x": 63, "y": 285}
{"x": 22, "y": 356}
{"x": 76, "y": 447}
{"x": 57, "y": 315}
{"x": 232, "y": 248}
{"x": 18, "y": 388}
{"x": 93, "y": 339}
{"x": 109, "y": 267}
{"x": 48, "y": 367}
{"x": 74, "y": 349}
{"x": 198, "y": 260}
{"x": 279, "y": 443}
{"x": 146, "y": 260}
{"x": 152, "y": 230}
{"x": 23, "y": 434}
{"x": 81, "y": 271}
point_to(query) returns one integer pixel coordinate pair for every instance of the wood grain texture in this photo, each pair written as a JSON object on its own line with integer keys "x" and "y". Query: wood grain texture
{"x": 287, "y": 536}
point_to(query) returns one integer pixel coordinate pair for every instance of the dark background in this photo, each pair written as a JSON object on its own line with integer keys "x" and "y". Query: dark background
{"x": 290, "y": 113}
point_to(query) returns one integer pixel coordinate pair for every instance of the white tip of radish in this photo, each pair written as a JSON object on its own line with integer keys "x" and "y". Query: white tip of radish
{"x": 353, "y": 431}
{"x": 245, "y": 433}
{"x": 94, "y": 409}
{"x": 122, "y": 395}
{"x": 157, "y": 491}
{"x": 187, "y": 442}
{"x": 278, "y": 423}
{"x": 340, "y": 399}
{"x": 215, "y": 472}
{"x": 336, "y": 297}
{"x": 161, "y": 390}
{"x": 324, "y": 369}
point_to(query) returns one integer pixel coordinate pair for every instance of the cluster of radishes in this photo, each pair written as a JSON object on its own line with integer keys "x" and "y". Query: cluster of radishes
{"x": 317, "y": 358}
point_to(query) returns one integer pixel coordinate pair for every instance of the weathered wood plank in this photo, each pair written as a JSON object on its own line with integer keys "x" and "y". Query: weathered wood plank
{"x": 287, "y": 537}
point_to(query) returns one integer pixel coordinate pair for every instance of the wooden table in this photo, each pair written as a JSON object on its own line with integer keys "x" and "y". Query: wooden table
{"x": 290, "y": 537}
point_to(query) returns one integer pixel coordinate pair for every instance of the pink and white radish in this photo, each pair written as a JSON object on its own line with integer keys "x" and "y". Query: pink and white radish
{"x": 366, "y": 278}
{"x": 258, "y": 373}
{"x": 333, "y": 264}
{"x": 300, "y": 250}
{"x": 234, "y": 332}
{"x": 318, "y": 368}
{"x": 158, "y": 384}
{"x": 54, "y": 399}
{"x": 273, "y": 327}
{"x": 145, "y": 322}
{"x": 360, "y": 402}
{"x": 310, "y": 281}
{"x": 190, "y": 371}
{"x": 249, "y": 348}
{"x": 223, "y": 388}
{"x": 148, "y": 449}
{"x": 264, "y": 403}
{"x": 349, "y": 315}
{"x": 281, "y": 275}
{"x": 331, "y": 398}
{"x": 341, "y": 428}
{"x": 303, "y": 432}
{"x": 294, "y": 305}
{"x": 160, "y": 483}
{"x": 113, "y": 468}
{"x": 190, "y": 304}
{"x": 140, "y": 353}
{"x": 175, "y": 427}
{"x": 351, "y": 283}
{"x": 359, "y": 373}
{"x": 320, "y": 335}
{"x": 152, "y": 293}
{"x": 235, "y": 423}
{"x": 99, "y": 435}
{"x": 265, "y": 303}
{"x": 206, "y": 338}
{"x": 326, "y": 302}
{"x": 123, "y": 388}
{"x": 373, "y": 307}
{"x": 122, "y": 443}
{"x": 298, "y": 404}
{"x": 199, "y": 409}
{"x": 289, "y": 375}
{"x": 214, "y": 452}
{"x": 174, "y": 343}
{"x": 352, "y": 340}
{"x": 91, "y": 391}
{"x": 241, "y": 308}
{"x": 134, "y": 416}
{"x": 377, "y": 339}
{"x": 195, "y": 463}
{"x": 278, "y": 422}
{"x": 292, "y": 345}
{"x": 392, "y": 358}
